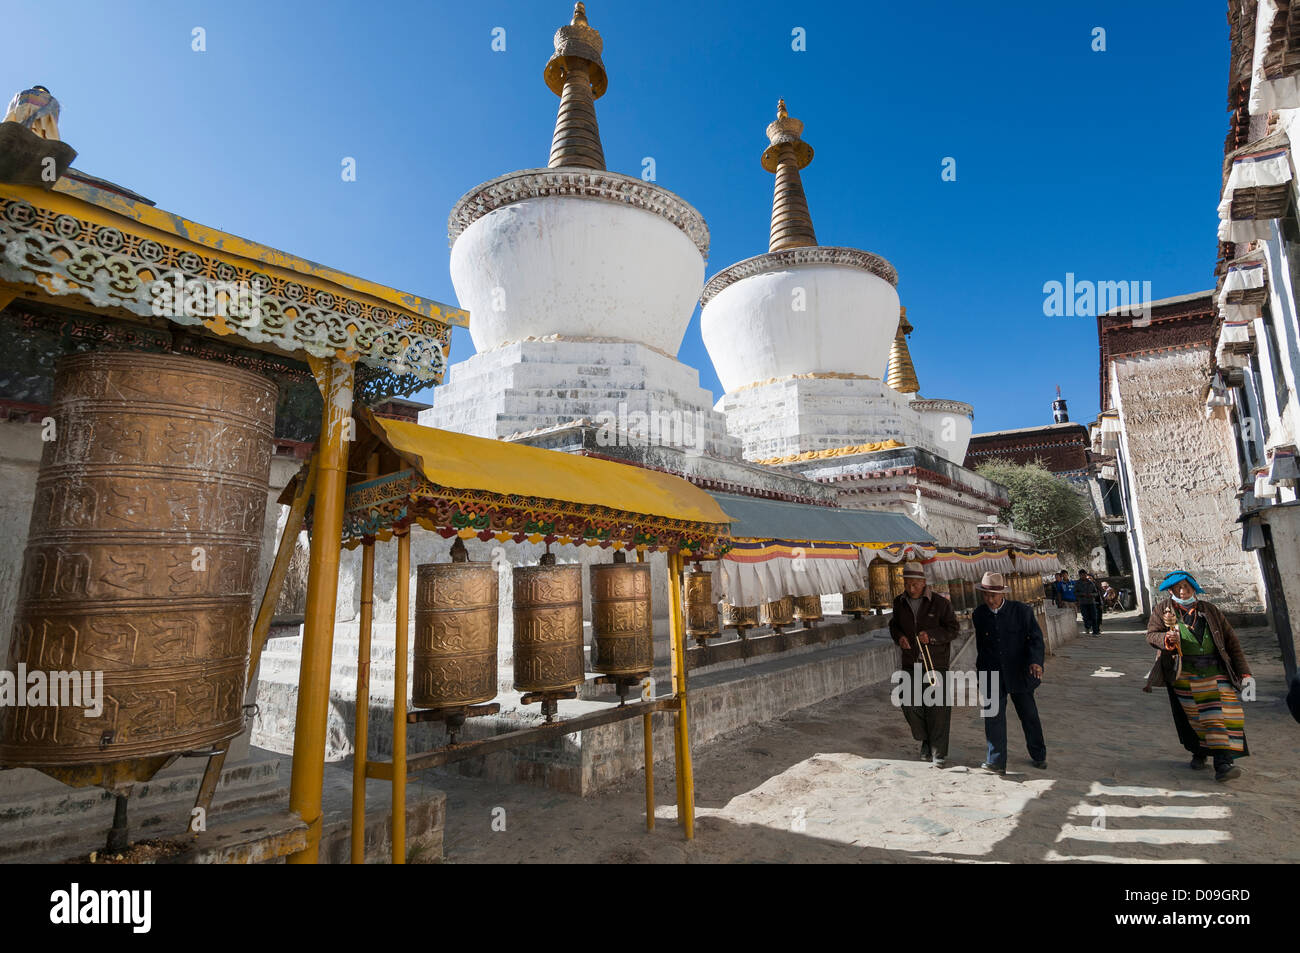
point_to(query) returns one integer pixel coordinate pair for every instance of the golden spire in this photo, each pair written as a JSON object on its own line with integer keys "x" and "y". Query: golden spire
{"x": 576, "y": 74}
{"x": 901, "y": 374}
{"x": 791, "y": 223}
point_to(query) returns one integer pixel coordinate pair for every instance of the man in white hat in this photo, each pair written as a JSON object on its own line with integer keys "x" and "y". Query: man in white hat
{"x": 1009, "y": 653}
{"x": 924, "y": 625}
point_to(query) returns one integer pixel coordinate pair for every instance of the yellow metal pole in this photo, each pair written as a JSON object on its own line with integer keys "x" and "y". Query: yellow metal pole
{"x": 399, "y": 697}
{"x": 674, "y": 621}
{"x": 647, "y": 724}
{"x": 335, "y": 381}
{"x": 687, "y": 809}
{"x": 361, "y": 736}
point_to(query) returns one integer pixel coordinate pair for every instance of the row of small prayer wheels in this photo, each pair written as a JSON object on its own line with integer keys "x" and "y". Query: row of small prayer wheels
{"x": 885, "y": 581}
{"x": 456, "y": 628}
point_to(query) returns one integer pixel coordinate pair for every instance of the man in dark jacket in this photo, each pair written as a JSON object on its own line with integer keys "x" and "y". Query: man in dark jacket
{"x": 1009, "y": 651}
{"x": 924, "y": 625}
{"x": 1087, "y": 594}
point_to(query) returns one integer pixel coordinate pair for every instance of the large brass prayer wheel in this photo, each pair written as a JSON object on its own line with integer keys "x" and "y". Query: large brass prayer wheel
{"x": 941, "y": 587}
{"x": 895, "y": 581}
{"x": 142, "y": 553}
{"x": 548, "y": 627}
{"x": 857, "y": 602}
{"x": 972, "y": 597}
{"x": 778, "y": 613}
{"x": 455, "y": 635}
{"x": 701, "y": 607}
{"x": 622, "y": 624}
{"x": 957, "y": 595}
{"x": 808, "y": 608}
{"x": 739, "y": 617}
{"x": 878, "y": 580}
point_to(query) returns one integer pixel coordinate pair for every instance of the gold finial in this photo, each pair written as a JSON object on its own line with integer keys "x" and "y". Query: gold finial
{"x": 576, "y": 74}
{"x": 902, "y": 374}
{"x": 785, "y": 155}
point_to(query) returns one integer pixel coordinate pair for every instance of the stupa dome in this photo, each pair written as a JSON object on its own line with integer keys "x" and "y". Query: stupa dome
{"x": 802, "y": 308}
{"x": 573, "y": 250}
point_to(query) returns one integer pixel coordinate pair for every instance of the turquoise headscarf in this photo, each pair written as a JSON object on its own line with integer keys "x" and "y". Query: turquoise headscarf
{"x": 1177, "y": 576}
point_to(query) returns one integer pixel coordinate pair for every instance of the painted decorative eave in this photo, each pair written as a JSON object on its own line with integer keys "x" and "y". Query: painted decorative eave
{"x": 577, "y": 183}
{"x": 792, "y": 257}
{"x": 1257, "y": 189}
{"x": 108, "y": 251}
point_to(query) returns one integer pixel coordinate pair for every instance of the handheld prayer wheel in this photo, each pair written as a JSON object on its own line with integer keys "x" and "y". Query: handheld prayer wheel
{"x": 878, "y": 581}
{"x": 739, "y": 618}
{"x": 895, "y": 581}
{"x": 701, "y": 607}
{"x": 455, "y": 633}
{"x": 857, "y": 602}
{"x": 548, "y": 627}
{"x": 621, "y": 621}
{"x": 777, "y": 614}
{"x": 141, "y": 558}
{"x": 808, "y": 608}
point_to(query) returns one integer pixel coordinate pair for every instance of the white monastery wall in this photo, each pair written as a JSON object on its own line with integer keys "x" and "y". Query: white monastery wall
{"x": 1183, "y": 477}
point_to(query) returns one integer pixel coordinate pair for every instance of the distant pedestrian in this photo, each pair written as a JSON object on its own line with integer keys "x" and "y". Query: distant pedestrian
{"x": 1009, "y": 646}
{"x": 1088, "y": 596}
{"x": 922, "y": 617}
{"x": 1201, "y": 665}
{"x": 1064, "y": 594}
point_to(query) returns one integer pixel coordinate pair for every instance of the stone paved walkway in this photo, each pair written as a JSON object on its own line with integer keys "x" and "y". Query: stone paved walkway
{"x": 836, "y": 783}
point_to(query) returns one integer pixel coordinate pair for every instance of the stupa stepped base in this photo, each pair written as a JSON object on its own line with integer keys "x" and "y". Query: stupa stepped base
{"x": 800, "y": 414}
{"x": 532, "y": 385}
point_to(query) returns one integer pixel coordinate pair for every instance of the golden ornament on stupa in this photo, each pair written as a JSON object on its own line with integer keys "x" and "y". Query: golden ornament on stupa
{"x": 576, "y": 74}
{"x": 901, "y": 374}
{"x": 792, "y": 225}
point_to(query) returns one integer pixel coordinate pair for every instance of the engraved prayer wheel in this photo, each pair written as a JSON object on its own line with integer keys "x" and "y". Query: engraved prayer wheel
{"x": 941, "y": 587}
{"x": 878, "y": 581}
{"x": 857, "y": 602}
{"x": 779, "y": 613}
{"x": 141, "y": 558}
{"x": 808, "y": 608}
{"x": 622, "y": 624}
{"x": 548, "y": 627}
{"x": 701, "y": 607}
{"x": 972, "y": 597}
{"x": 957, "y": 594}
{"x": 739, "y": 617}
{"x": 895, "y": 582}
{"x": 455, "y": 635}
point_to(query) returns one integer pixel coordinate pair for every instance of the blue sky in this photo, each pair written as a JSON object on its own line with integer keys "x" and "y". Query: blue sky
{"x": 1103, "y": 164}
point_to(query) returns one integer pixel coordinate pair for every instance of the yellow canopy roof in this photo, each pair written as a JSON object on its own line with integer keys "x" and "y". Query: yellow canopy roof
{"x": 476, "y": 463}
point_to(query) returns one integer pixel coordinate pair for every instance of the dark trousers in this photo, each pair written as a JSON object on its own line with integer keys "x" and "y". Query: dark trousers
{"x": 930, "y": 723}
{"x": 1091, "y": 613}
{"x": 995, "y": 728}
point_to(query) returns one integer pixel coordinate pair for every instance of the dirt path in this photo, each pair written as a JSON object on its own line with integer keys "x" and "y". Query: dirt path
{"x": 837, "y": 782}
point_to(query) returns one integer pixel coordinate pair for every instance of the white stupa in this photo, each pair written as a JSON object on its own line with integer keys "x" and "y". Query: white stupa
{"x": 580, "y": 283}
{"x": 801, "y": 336}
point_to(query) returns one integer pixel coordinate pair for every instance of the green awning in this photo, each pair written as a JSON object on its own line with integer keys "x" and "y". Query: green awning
{"x": 754, "y": 518}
